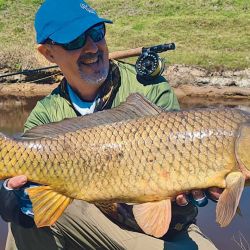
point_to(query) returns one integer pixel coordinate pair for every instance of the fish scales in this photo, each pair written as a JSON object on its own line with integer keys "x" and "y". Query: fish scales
{"x": 144, "y": 159}
{"x": 133, "y": 153}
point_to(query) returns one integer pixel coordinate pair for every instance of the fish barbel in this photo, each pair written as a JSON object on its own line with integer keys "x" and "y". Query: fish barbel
{"x": 135, "y": 153}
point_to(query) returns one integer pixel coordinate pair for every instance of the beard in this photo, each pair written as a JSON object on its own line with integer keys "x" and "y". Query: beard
{"x": 100, "y": 68}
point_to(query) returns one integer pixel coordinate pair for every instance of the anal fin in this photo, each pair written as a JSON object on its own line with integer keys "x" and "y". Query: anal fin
{"x": 48, "y": 205}
{"x": 153, "y": 217}
{"x": 230, "y": 198}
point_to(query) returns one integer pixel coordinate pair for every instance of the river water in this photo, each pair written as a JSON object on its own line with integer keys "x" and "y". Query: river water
{"x": 13, "y": 114}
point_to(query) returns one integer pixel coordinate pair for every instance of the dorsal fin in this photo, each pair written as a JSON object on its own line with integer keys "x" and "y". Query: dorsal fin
{"x": 135, "y": 106}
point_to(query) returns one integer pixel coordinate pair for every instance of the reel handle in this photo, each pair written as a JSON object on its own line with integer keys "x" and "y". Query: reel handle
{"x": 160, "y": 48}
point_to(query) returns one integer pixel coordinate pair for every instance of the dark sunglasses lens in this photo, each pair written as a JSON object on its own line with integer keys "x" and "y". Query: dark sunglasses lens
{"x": 78, "y": 43}
{"x": 97, "y": 33}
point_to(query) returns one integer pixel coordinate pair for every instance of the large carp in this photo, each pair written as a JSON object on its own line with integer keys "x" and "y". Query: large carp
{"x": 135, "y": 153}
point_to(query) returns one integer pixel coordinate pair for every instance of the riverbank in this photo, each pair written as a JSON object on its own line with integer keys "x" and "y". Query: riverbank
{"x": 221, "y": 85}
{"x": 187, "y": 81}
{"x": 210, "y": 34}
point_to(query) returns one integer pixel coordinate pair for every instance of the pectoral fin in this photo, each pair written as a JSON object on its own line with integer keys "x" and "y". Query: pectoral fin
{"x": 230, "y": 198}
{"x": 48, "y": 205}
{"x": 153, "y": 217}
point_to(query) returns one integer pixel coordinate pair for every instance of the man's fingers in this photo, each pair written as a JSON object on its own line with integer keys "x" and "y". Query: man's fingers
{"x": 214, "y": 193}
{"x": 16, "y": 182}
{"x": 181, "y": 200}
{"x": 197, "y": 194}
{"x": 198, "y": 198}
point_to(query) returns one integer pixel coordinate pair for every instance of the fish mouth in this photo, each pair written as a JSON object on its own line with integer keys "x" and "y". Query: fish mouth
{"x": 242, "y": 145}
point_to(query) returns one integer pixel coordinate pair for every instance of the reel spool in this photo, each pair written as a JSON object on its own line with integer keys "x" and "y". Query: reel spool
{"x": 149, "y": 65}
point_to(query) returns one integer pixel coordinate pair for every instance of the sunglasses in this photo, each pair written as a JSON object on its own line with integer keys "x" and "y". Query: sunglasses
{"x": 96, "y": 33}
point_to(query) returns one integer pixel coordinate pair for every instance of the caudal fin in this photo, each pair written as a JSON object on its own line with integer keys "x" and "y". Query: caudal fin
{"x": 4, "y": 149}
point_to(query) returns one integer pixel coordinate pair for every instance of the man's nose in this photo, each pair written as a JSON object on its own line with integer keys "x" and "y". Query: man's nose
{"x": 90, "y": 46}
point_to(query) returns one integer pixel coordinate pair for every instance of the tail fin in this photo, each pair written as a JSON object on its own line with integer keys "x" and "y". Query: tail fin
{"x": 5, "y": 143}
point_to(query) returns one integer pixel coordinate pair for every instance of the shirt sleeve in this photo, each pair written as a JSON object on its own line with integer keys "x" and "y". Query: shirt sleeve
{"x": 52, "y": 108}
{"x": 38, "y": 116}
{"x": 157, "y": 89}
{"x": 163, "y": 96}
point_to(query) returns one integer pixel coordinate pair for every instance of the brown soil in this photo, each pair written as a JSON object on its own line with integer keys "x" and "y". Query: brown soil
{"x": 26, "y": 89}
{"x": 186, "y": 81}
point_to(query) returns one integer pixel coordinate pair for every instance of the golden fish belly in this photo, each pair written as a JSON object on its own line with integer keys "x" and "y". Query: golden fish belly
{"x": 138, "y": 160}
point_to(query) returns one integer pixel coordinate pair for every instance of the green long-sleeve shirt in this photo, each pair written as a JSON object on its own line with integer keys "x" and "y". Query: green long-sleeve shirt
{"x": 57, "y": 106}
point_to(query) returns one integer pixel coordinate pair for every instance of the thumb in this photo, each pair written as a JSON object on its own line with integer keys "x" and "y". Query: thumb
{"x": 16, "y": 182}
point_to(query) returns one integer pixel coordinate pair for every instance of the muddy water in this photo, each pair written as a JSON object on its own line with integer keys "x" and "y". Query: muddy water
{"x": 13, "y": 114}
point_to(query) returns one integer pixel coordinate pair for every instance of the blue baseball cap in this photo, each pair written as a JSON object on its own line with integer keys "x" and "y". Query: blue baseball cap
{"x": 64, "y": 20}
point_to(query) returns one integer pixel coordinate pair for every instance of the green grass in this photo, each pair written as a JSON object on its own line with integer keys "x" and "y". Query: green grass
{"x": 211, "y": 34}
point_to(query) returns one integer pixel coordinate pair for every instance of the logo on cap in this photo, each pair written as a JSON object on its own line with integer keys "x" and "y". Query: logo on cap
{"x": 87, "y": 8}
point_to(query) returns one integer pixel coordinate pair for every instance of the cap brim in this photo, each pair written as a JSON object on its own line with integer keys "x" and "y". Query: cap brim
{"x": 75, "y": 29}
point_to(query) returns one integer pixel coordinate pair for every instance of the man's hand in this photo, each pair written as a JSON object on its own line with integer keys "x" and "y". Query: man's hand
{"x": 199, "y": 197}
{"x": 16, "y": 182}
{"x": 18, "y": 185}
{"x": 13, "y": 207}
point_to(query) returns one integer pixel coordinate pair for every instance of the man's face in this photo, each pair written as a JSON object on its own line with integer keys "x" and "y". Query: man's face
{"x": 84, "y": 67}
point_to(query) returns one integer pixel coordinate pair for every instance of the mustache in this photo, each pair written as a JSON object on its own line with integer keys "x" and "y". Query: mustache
{"x": 89, "y": 55}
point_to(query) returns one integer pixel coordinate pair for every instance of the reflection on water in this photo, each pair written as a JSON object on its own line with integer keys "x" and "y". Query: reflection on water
{"x": 201, "y": 102}
{"x": 14, "y": 113}
{"x": 230, "y": 237}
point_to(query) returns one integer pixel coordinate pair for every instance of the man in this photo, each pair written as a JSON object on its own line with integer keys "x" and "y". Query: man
{"x": 71, "y": 34}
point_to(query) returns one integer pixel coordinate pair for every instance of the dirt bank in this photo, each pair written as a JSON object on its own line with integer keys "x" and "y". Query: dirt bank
{"x": 187, "y": 82}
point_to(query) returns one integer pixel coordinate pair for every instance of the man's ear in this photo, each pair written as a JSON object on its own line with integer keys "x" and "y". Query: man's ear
{"x": 46, "y": 51}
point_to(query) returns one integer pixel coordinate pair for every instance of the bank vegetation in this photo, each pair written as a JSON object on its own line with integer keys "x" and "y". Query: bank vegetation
{"x": 211, "y": 34}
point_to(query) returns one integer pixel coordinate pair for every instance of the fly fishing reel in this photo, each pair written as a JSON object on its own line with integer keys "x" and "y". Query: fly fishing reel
{"x": 149, "y": 65}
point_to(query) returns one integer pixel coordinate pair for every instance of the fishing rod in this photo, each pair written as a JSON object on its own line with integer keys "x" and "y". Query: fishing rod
{"x": 148, "y": 64}
{"x": 28, "y": 71}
